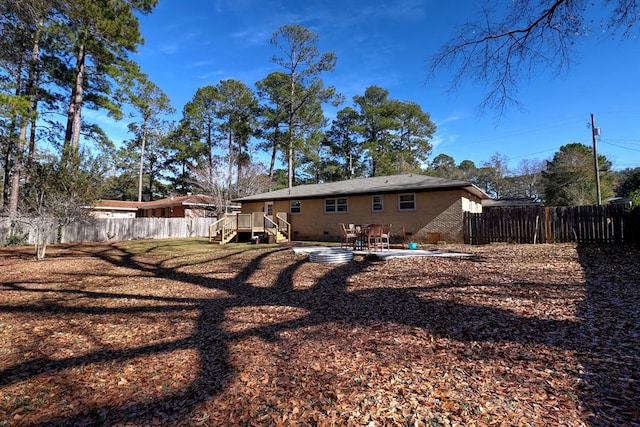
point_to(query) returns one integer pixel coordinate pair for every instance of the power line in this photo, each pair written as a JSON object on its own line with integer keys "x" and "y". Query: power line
{"x": 631, "y": 141}
{"x": 533, "y": 154}
{"x": 620, "y": 146}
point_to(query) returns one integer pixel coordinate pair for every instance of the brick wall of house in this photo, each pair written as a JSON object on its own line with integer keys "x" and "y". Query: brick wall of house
{"x": 438, "y": 216}
{"x": 446, "y": 226}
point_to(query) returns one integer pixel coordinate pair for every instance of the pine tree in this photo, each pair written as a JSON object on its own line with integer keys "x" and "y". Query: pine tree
{"x": 303, "y": 64}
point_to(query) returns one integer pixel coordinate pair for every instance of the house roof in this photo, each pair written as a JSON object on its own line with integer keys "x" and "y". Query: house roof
{"x": 116, "y": 205}
{"x": 363, "y": 186}
{"x": 190, "y": 200}
{"x": 510, "y": 202}
{"x": 200, "y": 200}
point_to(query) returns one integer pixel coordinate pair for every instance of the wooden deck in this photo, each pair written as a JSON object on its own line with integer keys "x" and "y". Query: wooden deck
{"x": 227, "y": 228}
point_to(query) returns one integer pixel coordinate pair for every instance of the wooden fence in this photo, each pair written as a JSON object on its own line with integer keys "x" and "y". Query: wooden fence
{"x": 556, "y": 224}
{"x": 104, "y": 229}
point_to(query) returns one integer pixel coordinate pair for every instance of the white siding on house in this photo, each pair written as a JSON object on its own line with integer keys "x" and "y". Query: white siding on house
{"x": 112, "y": 214}
{"x": 471, "y": 206}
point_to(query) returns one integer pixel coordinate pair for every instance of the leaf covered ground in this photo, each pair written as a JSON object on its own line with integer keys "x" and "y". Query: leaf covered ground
{"x": 187, "y": 333}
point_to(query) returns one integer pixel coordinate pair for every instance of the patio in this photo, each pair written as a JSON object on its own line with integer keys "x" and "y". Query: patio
{"x": 381, "y": 254}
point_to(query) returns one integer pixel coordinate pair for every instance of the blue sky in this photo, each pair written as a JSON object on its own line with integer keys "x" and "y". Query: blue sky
{"x": 194, "y": 43}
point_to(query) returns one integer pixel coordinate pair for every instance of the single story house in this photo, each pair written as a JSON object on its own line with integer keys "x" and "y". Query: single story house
{"x": 114, "y": 209}
{"x": 189, "y": 206}
{"x": 427, "y": 208}
{"x": 502, "y": 203}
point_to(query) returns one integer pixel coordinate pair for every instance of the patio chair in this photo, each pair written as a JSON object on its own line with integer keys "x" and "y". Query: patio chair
{"x": 349, "y": 236}
{"x": 386, "y": 236}
{"x": 374, "y": 237}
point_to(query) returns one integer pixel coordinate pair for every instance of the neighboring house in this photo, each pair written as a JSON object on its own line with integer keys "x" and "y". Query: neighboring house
{"x": 190, "y": 206}
{"x": 114, "y": 209}
{"x": 501, "y": 203}
{"x": 625, "y": 201}
{"x": 423, "y": 206}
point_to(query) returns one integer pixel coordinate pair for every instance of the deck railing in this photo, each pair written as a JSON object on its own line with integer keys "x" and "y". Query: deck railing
{"x": 256, "y": 222}
{"x": 244, "y": 221}
{"x": 230, "y": 227}
{"x": 225, "y": 227}
{"x": 283, "y": 225}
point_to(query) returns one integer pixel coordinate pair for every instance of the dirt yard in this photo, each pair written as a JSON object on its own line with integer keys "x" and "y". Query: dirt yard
{"x": 187, "y": 333}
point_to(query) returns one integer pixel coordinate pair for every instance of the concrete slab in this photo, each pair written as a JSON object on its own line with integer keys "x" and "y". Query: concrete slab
{"x": 382, "y": 254}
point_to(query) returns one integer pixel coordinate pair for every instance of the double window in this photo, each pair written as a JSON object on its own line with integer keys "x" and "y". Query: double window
{"x": 338, "y": 205}
{"x": 407, "y": 202}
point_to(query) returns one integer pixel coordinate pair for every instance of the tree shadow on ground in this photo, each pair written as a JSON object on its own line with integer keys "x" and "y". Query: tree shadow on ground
{"x": 607, "y": 375}
{"x": 609, "y": 345}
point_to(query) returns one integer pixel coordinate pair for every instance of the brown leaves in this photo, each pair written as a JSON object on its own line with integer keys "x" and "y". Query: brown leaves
{"x": 517, "y": 335}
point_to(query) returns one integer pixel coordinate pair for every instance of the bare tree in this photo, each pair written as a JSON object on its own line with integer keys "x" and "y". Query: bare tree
{"x": 214, "y": 181}
{"x": 44, "y": 214}
{"x": 502, "y": 48}
{"x": 255, "y": 179}
{"x": 493, "y": 174}
{"x": 529, "y": 178}
{"x": 211, "y": 178}
{"x": 57, "y": 196}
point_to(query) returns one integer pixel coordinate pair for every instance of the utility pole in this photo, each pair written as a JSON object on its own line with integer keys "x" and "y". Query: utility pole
{"x": 595, "y": 132}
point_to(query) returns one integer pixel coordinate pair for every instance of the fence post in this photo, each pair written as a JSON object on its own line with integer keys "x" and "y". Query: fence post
{"x": 618, "y": 218}
{"x": 547, "y": 224}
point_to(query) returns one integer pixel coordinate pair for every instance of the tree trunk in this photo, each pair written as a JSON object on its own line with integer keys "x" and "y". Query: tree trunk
{"x": 290, "y": 160}
{"x": 32, "y": 140}
{"x": 74, "y": 114}
{"x": 274, "y": 152}
{"x": 142, "y": 144}
{"x": 35, "y": 93}
{"x": 41, "y": 250}
{"x": 7, "y": 175}
{"x": 292, "y": 113}
{"x": 12, "y": 207}
{"x": 29, "y": 90}
{"x": 241, "y": 162}
{"x": 230, "y": 167}
{"x": 210, "y": 153}
{"x": 9, "y": 155}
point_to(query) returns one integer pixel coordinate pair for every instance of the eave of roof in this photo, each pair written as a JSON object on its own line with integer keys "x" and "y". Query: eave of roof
{"x": 198, "y": 200}
{"x": 364, "y": 186}
{"x": 114, "y": 208}
{"x": 195, "y": 200}
{"x": 116, "y": 205}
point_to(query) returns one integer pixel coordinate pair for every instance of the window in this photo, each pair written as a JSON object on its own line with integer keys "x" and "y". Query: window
{"x": 295, "y": 207}
{"x": 336, "y": 205}
{"x": 406, "y": 202}
{"x": 376, "y": 204}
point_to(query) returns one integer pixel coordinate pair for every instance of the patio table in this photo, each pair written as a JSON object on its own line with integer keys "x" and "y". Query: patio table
{"x": 361, "y": 241}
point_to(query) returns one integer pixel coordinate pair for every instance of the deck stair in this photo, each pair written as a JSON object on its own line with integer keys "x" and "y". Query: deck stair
{"x": 228, "y": 227}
